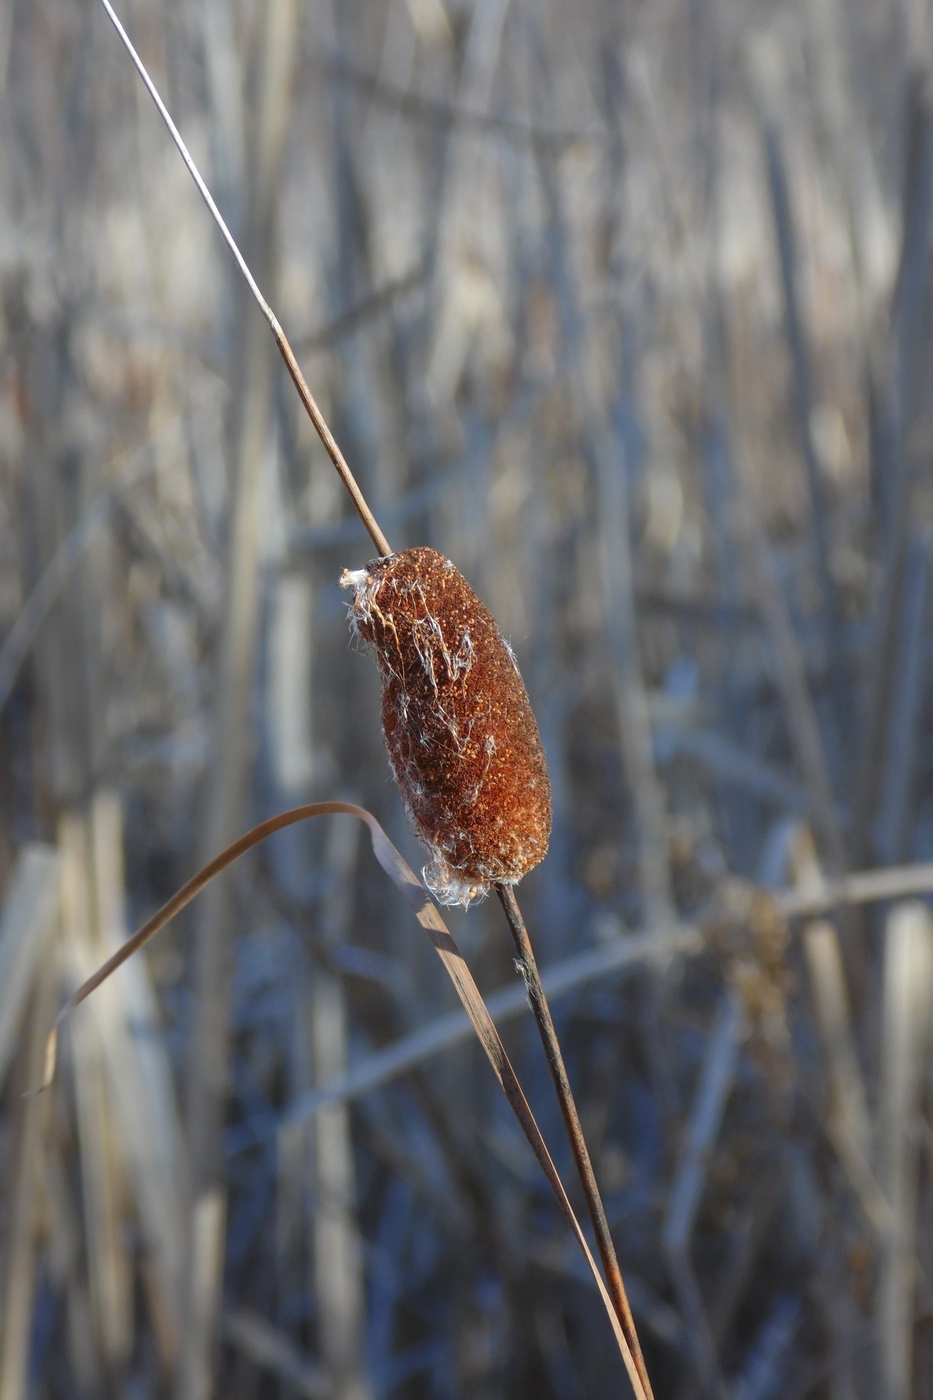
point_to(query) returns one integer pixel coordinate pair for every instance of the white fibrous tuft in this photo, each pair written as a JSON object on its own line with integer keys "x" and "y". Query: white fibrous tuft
{"x": 450, "y": 888}
{"x": 361, "y": 581}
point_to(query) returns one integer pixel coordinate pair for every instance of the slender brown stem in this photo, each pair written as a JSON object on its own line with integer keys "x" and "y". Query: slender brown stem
{"x": 542, "y": 1013}
{"x": 329, "y": 441}
{"x": 307, "y": 398}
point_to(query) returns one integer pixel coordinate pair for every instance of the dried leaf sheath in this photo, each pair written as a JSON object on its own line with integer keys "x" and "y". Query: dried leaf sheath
{"x": 462, "y": 739}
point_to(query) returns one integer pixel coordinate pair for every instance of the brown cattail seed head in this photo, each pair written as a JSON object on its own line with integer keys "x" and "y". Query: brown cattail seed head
{"x": 462, "y": 740}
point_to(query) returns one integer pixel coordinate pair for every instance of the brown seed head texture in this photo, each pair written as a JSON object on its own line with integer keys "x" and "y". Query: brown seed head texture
{"x": 463, "y": 742}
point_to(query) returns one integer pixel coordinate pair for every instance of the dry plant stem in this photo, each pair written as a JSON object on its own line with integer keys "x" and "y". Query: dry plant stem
{"x": 328, "y": 439}
{"x": 298, "y": 379}
{"x": 27, "y": 1164}
{"x": 207, "y": 1084}
{"x": 791, "y": 681}
{"x": 803, "y": 392}
{"x": 179, "y": 901}
{"x": 428, "y": 916}
{"x": 863, "y": 887}
{"x": 542, "y": 1013}
{"x": 900, "y": 405}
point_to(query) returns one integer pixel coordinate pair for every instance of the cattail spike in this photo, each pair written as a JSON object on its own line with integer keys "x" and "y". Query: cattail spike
{"x": 463, "y": 742}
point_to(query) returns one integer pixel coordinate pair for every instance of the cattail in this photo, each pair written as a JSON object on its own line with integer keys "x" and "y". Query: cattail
{"x": 463, "y": 742}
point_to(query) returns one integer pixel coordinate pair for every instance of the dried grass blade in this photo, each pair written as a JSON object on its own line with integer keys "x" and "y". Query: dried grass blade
{"x": 771, "y": 101}
{"x": 140, "y": 1085}
{"x": 30, "y": 906}
{"x": 864, "y": 887}
{"x": 898, "y": 778}
{"x": 337, "y": 1250}
{"x": 26, "y": 1169}
{"x": 428, "y": 916}
{"x": 791, "y": 680}
{"x": 103, "y": 1178}
{"x": 65, "y": 1256}
{"x": 848, "y": 1124}
{"x": 907, "y": 999}
{"x": 180, "y": 900}
{"x": 716, "y": 1079}
{"x": 250, "y": 426}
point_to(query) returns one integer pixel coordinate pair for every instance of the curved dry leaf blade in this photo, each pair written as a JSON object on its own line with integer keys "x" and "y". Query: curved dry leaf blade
{"x": 419, "y": 901}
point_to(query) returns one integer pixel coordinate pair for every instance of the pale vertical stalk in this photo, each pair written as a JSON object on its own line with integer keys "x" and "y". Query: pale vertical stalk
{"x": 906, "y": 1009}
{"x": 586, "y": 357}
{"x": 868, "y": 221}
{"x": 101, "y": 1178}
{"x": 338, "y": 1272}
{"x": 225, "y": 86}
{"x": 349, "y": 277}
{"x": 771, "y": 98}
{"x": 906, "y": 707}
{"x": 612, "y": 446}
{"x": 205, "y": 1277}
{"x": 903, "y": 381}
{"x": 288, "y": 713}
{"x": 26, "y": 1168}
{"x": 208, "y": 1081}
{"x": 537, "y": 553}
{"x": 712, "y": 1092}
{"x": 67, "y": 1276}
{"x": 288, "y": 726}
{"x": 849, "y": 1125}
{"x": 791, "y": 682}
{"x": 787, "y": 663}
{"x": 139, "y": 1077}
{"x": 462, "y": 240}
{"x": 55, "y": 672}
{"x": 31, "y": 904}
{"x": 634, "y": 719}
{"x": 849, "y": 1114}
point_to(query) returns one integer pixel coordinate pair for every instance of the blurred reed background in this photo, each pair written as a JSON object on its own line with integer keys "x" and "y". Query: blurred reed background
{"x": 626, "y": 309}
